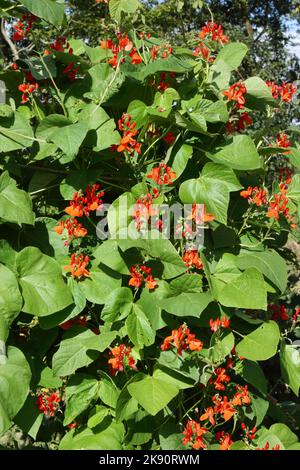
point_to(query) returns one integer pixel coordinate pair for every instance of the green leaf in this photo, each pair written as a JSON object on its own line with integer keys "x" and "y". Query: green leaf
{"x": 72, "y": 353}
{"x": 290, "y": 366}
{"x": 294, "y": 156}
{"x": 81, "y": 390}
{"x": 10, "y": 298}
{"x": 15, "y": 204}
{"x": 212, "y": 188}
{"x": 118, "y": 305}
{"x": 48, "y": 380}
{"x": 117, "y": 7}
{"x": 102, "y": 129}
{"x": 260, "y": 408}
{"x": 230, "y": 57}
{"x": 186, "y": 304}
{"x": 109, "y": 254}
{"x": 105, "y": 83}
{"x": 99, "y": 342}
{"x": 239, "y": 154}
{"x": 78, "y": 180}
{"x": 61, "y": 131}
{"x": 108, "y": 391}
{"x": 253, "y": 374}
{"x": 162, "y": 105}
{"x": 245, "y": 291}
{"x": 152, "y": 393}
{"x": 180, "y": 160}
{"x": 258, "y": 94}
{"x": 261, "y": 344}
{"x": 221, "y": 346}
{"x": 270, "y": 263}
{"x": 50, "y": 10}
{"x": 15, "y": 378}
{"x": 42, "y": 285}
{"x": 294, "y": 189}
{"x": 138, "y": 112}
{"x": 15, "y": 134}
{"x": 283, "y": 432}
{"x": 98, "y": 286}
{"x": 110, "y": 438}
{"x": 187, "y": 283}
{"x": 29, "y": 418}
{"x": 139, "y": 329}
{"x": 126, "y": 405}
{"x": 119, "y": 215}
{"x": 98, "y": 415}
{"x": 170, "y": 436}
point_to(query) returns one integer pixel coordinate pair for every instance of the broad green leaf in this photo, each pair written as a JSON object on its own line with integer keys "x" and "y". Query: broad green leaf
{"x": 173, "y": 377}
{"x": 126, "y": 405}
{"x": 48, "y": 380}
{"x": 29, "y": 418}
{"x": 43, "y": 288}
{"x": 290, "y": 366}
{"x": 253, "y": 374}
{"x": 63, "y": 132}
{"x": 119, "y": 216}
{"x": 99, "y": 438}
{"x": 186, "y": 283}
{"x": 15, "y": 378}
{"x": 152, "y": 393}
{"x": 10, "y": 298}
{"x": 270, "y": 263}
{"x": 81, "y": 390}
{"x": 138, "y": 112}
{"x": 187, "y": 304}
{"x": 98, "y": 286}
{"x": 72, "y": 353}
{"x": 118, "y": 305}
{"x": 15, "y": 204}
{"x": 101, "y": 128}
{"x": 245, "y": 291}
{"x": 78, "y": 180}
{"x": 260, "y": 408}
{"x": 99, "y": 413}
{"x": 51, "y": 11}
{"x": 258, "y": 94}
{"x": 212, "y": 188}
{"x": 261, "y": 344}
{"x": 294, "y": 189}
{"x": 139, "y": 328}
{"x": 15, "y": 134}
{"x": 221, "y": 346}
{"x": 230, "y": 57}
{"x": 162, "y": 105}
{"x": 139, "y": 428}
{"x": 170, "y": 436}
{"x": 239, "y": 154}
{"x": 283, "y": 432}
{"x": 294, "y": 156}
{"x": 105, "y": 83}
{"x": 99, "y": 342}
{"x": 108, "y": 391}
{"x": 109, "y": 253}
{"x": 180, "y": 160}
{"x": 117, "y": 7}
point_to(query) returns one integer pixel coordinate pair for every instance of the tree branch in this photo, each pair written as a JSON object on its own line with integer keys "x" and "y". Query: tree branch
{"x": 7, "y": 39}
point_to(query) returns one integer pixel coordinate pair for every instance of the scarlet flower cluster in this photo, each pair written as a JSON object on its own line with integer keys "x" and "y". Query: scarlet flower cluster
{"x": 165, "y": 81}
{"x": 215, "y": 325}
{"x": 67, "y": 325}
{"x": 86, "y": 202}
{"x": 170, "y": 138}
{"x": 240, "y": 123}
{"x": 162, "y": 174}
{"x": 296, "y": 315}
{"x": 215, "y": 31}
{"x": 78, "y": 266}
{"x": 144, "y": 209}
{"x": 192, "y": 259}
{"x": 203, "y": 51}
{"x": 283, "y": 141}
{"x": 279, "y": 312}
{"x": 124, "y": 45}
{"x": 237, "y": 93}
{"x": 162, "y": 51}
{"x": 285, "y": 91}
{"x": 128, "y": 142}
{"x": 255, "y": 195}
{"x": 139, "y": 274}
{"x": 182, "y": 339}
{"x": 73, "y": 227}
{"x": 267, "y": 447}
{"x": 21, "y": 28}
{"x": 48, "y": 403}
{"x": 120, "y": 357}
{"x": 62, "y": 45}
{"x": 28, "y": 88}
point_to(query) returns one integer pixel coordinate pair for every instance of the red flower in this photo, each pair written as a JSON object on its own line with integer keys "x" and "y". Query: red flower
{"x": 120, "y": 357}
{"x": 192, "y": 259}
{"x": 279, "y": 312}
{"x": 139, "y": 274}
{"x": 162, "y": 174}
{"x": 296, "y": 314}
{"x": 216, "y": 32}
{"x": 193, "y": 435}
{"x": 128, "y": 142}
{"x": 242, "y": 396}
{"x": 86, "y": 202}
{"x": 209, "y": 414}
{"x": 170, "y": 138}
{"x": 283, "y": 141}
{"x": 287, "y": 91}
{"x": 221, "y": 379}
{"x": 72, "y": 226}
{"x": 182, "y": 339}
{"x": 135, "y": 57}
{"x": 224, "y": 407}
{"x": 78, "y": 266}
{"x": 67, "y": 325}
{"x": 237, "y": 93}
{"x": 255, "y": 195}
{"x": 215, "y": 325}
{"x": 224, "y": 439}
{"x": 21, "y": 28}
{"x": 48, "y": 404}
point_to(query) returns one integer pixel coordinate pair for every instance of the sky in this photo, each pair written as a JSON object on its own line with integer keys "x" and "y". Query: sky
{"x": 295, "y": 43}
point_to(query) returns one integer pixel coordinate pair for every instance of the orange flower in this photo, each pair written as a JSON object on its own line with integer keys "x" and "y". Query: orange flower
{"x": 162, "y": 174}
{"x": 120, "y": 356}
{"x": 216, "y": 32}
{"x": 72, "y": 226}
{"x": 192, "y": 259}
{"x": 128, "y": 142}
{"x": 78, "y": 266}
{"x": 139, "y": 273}
{"x": 255, "y": 195}
{"x": 135, "y": 57}
{"x": 193, "y": 435}
{"x": 237, "y": 93}
{"x": 242, "y": 396}
{"x": 182, "y": 339}
{"x": 224, "y": 407}
{"x": 85, "y": 202}
{"x": 215, "y": 325}
{"x": 225, "y": 440}
{"x": 209, "y": 414}
{"x": 222, "y": 378}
